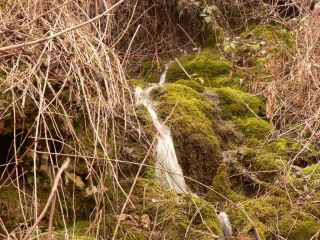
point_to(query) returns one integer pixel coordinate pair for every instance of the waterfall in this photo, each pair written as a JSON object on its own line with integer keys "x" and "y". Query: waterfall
{"x": 168, "y": 171}
{"x": 166, "y": 158}
{"x": 225, "y": 224}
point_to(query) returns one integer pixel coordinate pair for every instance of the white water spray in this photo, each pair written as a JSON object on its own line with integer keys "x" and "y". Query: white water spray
{"x": 225, "y": 224}
{"x": 165, "y": 154}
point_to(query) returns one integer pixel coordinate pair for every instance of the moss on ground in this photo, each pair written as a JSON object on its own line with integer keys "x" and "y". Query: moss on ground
{"x": 311, "y": 172}
{"x": 253, "y": 128}
{"x": 271, "y": 216}
{"x": 11, "y": 213}
{"x": 171, "y": 216}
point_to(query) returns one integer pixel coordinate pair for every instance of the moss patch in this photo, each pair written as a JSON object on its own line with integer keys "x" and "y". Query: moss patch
{"x": 191, "y": 84}
{"x": 271, "y": 216}
{"x": 151, "y": 71}
{"x": 253, "y": 128}
{"x": 222, "y": 186}
{"x": 238, "y": 103}
{"x": 207, "y": 66}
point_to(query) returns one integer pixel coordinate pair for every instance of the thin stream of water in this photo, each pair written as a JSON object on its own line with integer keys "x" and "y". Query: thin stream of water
{"x": 165, "y": 153}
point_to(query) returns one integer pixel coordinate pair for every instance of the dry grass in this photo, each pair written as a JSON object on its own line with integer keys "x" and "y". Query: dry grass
{"x": 58, "y": 71}
{"x": 293, "y": 97}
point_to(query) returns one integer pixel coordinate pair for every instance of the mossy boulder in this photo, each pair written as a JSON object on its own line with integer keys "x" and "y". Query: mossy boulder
{"x": 171, "y": 216}
{"x": 191, "y": 84}
{"x": 236, "y": 103}
{"x": 207, "y": 67}
{"x": 222, "y": 187}
{"x": 253, "y": 128}
{"x": 192, "y": 122}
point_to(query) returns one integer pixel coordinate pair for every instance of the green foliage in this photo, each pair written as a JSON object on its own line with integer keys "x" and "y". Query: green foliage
{"x": 205, "y": 10}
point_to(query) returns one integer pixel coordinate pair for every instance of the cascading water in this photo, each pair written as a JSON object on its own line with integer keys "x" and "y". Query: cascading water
{"x": 225, "y": 224}
{"x": 168, "y": 170}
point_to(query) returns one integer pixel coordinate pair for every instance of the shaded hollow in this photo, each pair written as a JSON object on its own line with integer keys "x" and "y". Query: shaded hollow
{"x": 5, "y": 146}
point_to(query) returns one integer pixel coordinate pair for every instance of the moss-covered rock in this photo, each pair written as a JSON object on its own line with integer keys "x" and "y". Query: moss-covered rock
{"x": 171, "y": 216}
{"x": 271, "y": 216}
{"x": 191, "y": 84}
{"x": 236, "y": 103}
{"x": 211, "y": 116}
{"x": 222, "y": 187}
{"x": 253, "y": 128}
{"x": 207, "y": 67}
{"x": 192, "y": 122}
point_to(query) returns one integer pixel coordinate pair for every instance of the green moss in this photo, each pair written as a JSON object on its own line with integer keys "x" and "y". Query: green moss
{"x": 204, "y": 66}
{"x": 224, "y": 81}
{"x": 11, "y": 212}
{"x": 280, "y": 146}
{"x": 193, "y": 124}
{"x": 176, "y": 213}
{"x": 268, "y": 165}
{"x": 191, "y": 84}
{"x": 312, "y": 172}
{"x": 272, "y": 215}
{"x": 237, "y": 103}
{"x": 296, "y": 229}
{"x": 263, "y": 213}
{"x": 222, "y": 185}
{"x": 271, "y": 33}
{"x": 137, "y": 83}
{"x": 253, "y": 128}
{"x": 151, "y": 71}
{"x": 76, "y": 232}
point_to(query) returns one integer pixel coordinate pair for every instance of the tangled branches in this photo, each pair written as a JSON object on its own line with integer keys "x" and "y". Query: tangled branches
{"x": 63, "y": 90}
{"x": 294, "y": 95}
